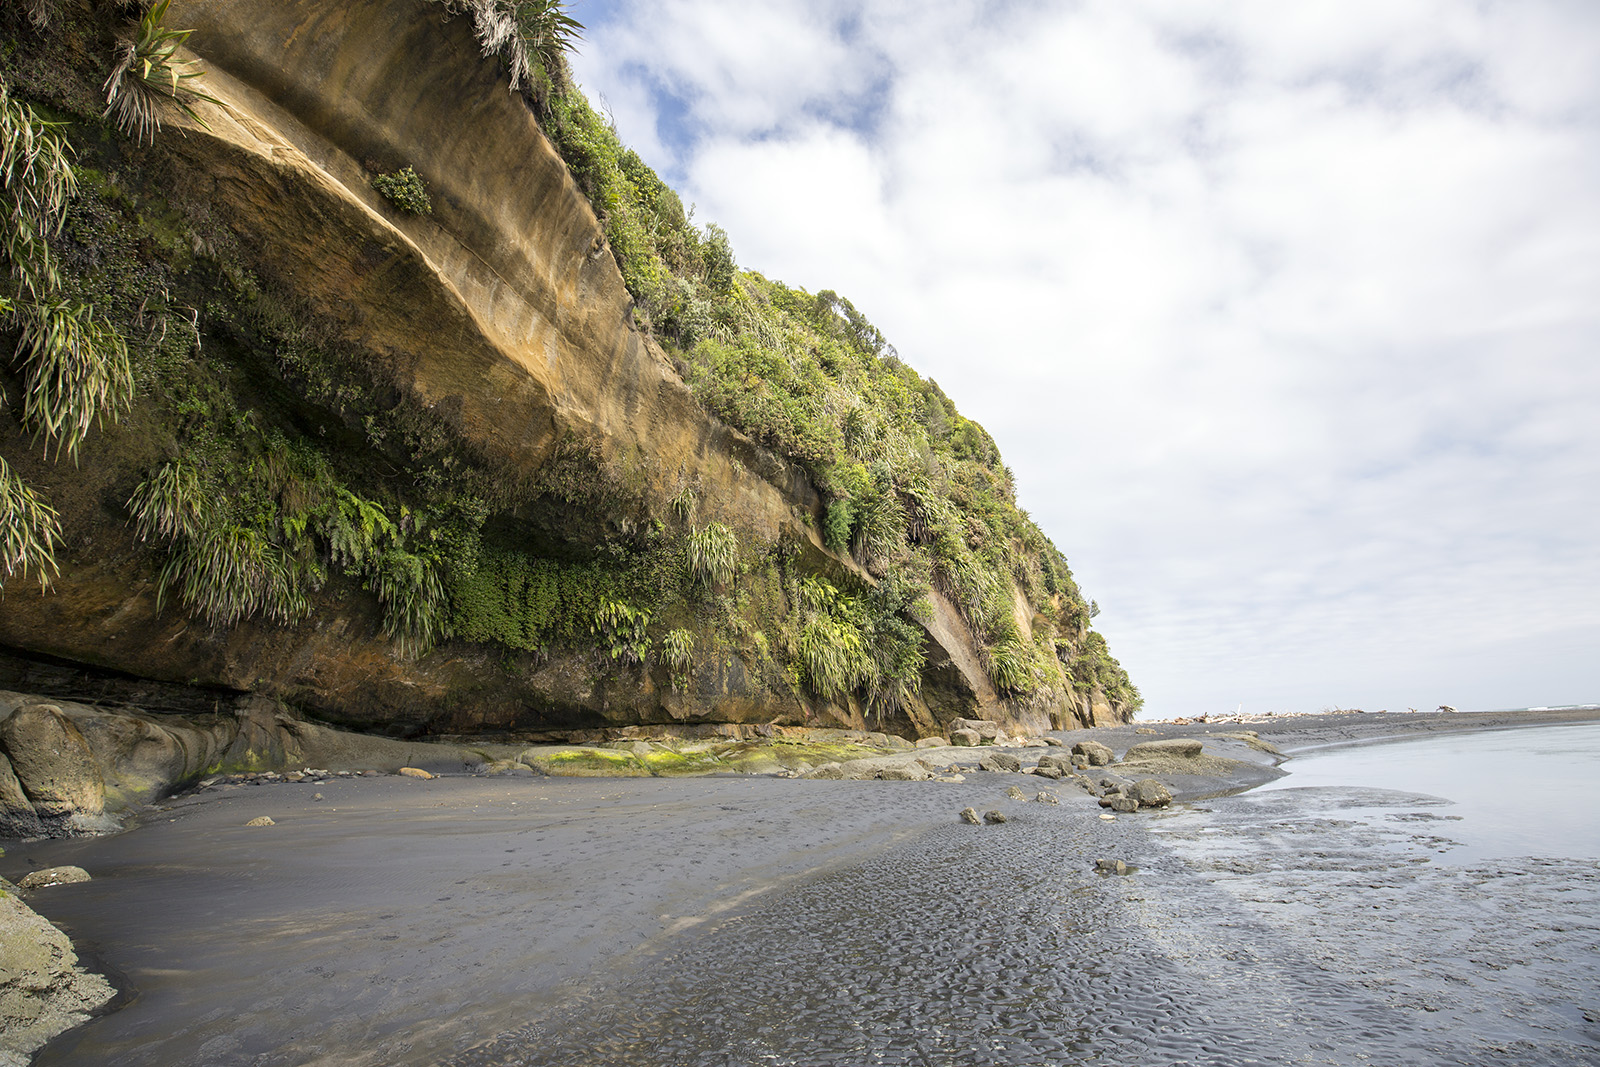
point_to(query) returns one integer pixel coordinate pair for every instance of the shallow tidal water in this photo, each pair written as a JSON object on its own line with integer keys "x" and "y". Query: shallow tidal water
{"x": 1525, "y": 792}
{"x": 1309, "y": 923}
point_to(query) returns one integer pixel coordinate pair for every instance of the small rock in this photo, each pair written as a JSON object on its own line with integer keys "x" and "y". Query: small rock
{"x": 953, "y": 778}
{"x": 933, "y": 742}
{"x": 1047, "y": 798}
{"x": 995, "y": 817}
{"x": 964, "y": 738}
{"x": 1109, "y": 817}
{"x": 909, "y": 773}
{"x": 1048, "y": 771}
{"x": 1097, "y": 754}
{"x": 53, "y": 876}
{"x": 1145, "y": 730}
{"x": 1124, "y": 804}
{"x": 1111, "y": 866}
{"x": 1055, "y": 742}
{"x": 1015, "y": 794}
{"x": 415, "y": 772}
{"x": 316, "y": 796}
{"x": 1151, "y": 793}
{"x": 294, "y": 776}
{"x": 830, "y": 771}
{"x": 1003, "y": 762}
{"x": 970, "y": 815}
{"x": 261, "y": 820}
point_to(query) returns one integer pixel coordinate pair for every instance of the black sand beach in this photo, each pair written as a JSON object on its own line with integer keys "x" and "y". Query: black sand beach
{"x": 504, "y": 920}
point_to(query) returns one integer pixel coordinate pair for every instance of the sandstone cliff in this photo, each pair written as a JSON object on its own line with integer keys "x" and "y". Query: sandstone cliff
{"x": 485, "y": 360}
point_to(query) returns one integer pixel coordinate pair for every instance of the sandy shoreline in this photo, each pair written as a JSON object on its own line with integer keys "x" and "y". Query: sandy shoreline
{"x": 399, "y": 921}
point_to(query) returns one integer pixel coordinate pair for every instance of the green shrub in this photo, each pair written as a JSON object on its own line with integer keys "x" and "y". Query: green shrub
{"x": 405, "y": 190}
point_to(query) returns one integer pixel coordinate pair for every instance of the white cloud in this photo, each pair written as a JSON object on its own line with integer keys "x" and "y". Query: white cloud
{"x": 1284, "y": 315}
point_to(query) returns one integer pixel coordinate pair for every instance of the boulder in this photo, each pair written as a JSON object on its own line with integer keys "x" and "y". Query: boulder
{"x": 50, "y": 876}
{"x": 43, "y": 990}
{"x": 1055, "y": 742}
{"x": 1059, "y": 762}
{"x": 1120, "y": 803}
{"x": 1000, "y": 762}
{"x": 1171, "y": 748}
{"x": 1097, "y": 754}
{"x": 970, "y": 815}
{"x": 53, "y": 762}
{"x": 965, "y": 738}
{"x": 932, "y": 742}
{"x": 1048, "y": 770}
{"x": 832, "y": 771}
{"x": 1150, "y": 793}
{"x": 995, "y": 817}
{"x": 986, "y": 729}
{"x": 905, "y": 773}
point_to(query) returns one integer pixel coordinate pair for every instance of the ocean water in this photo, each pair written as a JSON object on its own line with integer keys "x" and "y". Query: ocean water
{"x": 1532, "y": 791}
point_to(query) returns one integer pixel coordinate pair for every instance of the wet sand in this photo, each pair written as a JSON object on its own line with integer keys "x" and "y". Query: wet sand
{"x": 738, "y": 921}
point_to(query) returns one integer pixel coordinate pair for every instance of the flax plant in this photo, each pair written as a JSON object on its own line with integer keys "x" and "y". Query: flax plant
{"x": 147, "y": 73}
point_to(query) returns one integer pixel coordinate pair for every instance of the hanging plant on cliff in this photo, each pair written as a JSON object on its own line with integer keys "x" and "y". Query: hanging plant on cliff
{"x": 73, "y": 364}
{"x": 29, "y": 530}
{"x": 527, "y": 34}
{"x": 148, "y": 73}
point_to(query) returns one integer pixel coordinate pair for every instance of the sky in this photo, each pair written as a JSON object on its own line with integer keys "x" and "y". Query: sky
{"x": 1285, "y": 316}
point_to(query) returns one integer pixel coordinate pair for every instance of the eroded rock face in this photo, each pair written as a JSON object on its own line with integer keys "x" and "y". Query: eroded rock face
{"x": 52, "y": 762}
